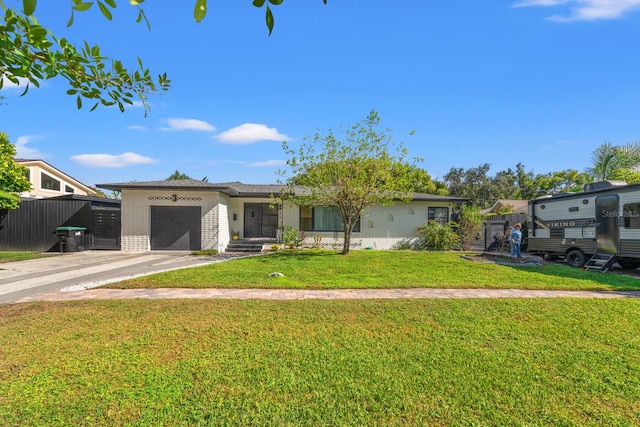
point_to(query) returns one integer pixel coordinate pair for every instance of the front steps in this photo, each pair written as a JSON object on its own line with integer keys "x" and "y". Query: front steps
{"x": 600, "y": 262}
{"x": 248, "y": 245}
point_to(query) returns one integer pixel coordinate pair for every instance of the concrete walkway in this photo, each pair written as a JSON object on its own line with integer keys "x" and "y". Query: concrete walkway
{"x": 76, "y": 276}
{"x": 301, "y": 294}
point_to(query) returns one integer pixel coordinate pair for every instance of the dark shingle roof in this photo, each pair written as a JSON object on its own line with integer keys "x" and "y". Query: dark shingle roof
{"x": 238, "y": 189}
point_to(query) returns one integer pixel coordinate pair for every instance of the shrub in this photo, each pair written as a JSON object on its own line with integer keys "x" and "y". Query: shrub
{"x": 437, "y": 237}
{"x": 469, "y": 226}
{"x": 292, "y": 238}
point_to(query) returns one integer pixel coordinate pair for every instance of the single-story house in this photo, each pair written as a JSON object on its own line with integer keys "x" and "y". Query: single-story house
{"x": 48, "y": 181}
{"x": 190, "y": 214}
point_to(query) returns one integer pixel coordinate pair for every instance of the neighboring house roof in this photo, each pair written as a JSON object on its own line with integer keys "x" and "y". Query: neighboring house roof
{"x": 53, "y": 170}
{"x": 238, "y": 189}
{"x": 518, "y": 206}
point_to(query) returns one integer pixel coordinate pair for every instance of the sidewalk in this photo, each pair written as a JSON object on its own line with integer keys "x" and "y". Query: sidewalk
{"x": 301, "y": 294}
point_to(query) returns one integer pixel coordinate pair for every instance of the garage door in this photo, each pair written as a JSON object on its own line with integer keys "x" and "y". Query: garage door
{"x": 175, "y": 228}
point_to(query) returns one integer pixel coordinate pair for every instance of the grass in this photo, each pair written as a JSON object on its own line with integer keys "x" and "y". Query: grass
{"x": 10, "y": 256}
{"x": 315, "y": 363}
{"x": 311, "y": 269}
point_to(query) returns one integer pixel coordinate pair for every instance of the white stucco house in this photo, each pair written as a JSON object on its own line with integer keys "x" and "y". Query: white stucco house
{"x": 190, "y": 215}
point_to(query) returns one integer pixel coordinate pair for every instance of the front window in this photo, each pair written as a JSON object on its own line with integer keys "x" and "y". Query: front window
{"x": 439, "y": 215}
{"x": 322, "y": 218}
{"x": 48, "y": 182}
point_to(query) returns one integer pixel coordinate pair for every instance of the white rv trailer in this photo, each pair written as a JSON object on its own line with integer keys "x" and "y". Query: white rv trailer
{"x": 604, "y": 219}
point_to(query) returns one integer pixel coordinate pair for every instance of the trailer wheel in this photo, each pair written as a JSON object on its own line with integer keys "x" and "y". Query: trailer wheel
{"x": 576, "y": 258}
{"x": 629, "y": 264}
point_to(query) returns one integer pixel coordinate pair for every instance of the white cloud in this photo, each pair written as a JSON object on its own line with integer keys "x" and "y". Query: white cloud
{"x": 6, "y": 84}
{"x": 267, "y": 163}
{"x": 249, "y": 133}
{"x": 586, "y": 10}
{"x": 112, "y": 161}
{"x": 136, "y": 127}
{"x": 24, "y": 152}
{"x": 188, "y": 124}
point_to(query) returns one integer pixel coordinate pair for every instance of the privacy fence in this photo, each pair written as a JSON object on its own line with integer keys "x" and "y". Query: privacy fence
{"x": 32, "y": 227}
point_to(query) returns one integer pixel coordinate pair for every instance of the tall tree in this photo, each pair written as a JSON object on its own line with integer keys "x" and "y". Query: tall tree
{"x": 473, "y": 184}
{"x": 13, "y": 177}
{"x": 350, "y": 170}
{"x": 32, "y": 52}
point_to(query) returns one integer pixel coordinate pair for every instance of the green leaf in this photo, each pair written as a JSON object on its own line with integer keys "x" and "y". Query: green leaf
{"x": 276, "y": 2}
{"x": 200, "y": 10}
{"x": 111, "y": 3}
{"x": 79, "y": 102}
{"x": 82, "y": 6}
{"x": 94, "y": 106}
{"x": 70, "y": 22}
{"x": 270, "y": 20}
{"x": 258, "y": 3}
{"x": 105, "y": 11}
{"x": 29, "y": 6}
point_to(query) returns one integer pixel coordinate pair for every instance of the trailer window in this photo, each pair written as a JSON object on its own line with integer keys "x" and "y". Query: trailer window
{"x": 631, "y": 215}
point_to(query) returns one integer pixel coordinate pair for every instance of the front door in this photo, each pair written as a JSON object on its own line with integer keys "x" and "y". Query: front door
{"x": 260, "y": 220}
{"x": 607, "y": 224}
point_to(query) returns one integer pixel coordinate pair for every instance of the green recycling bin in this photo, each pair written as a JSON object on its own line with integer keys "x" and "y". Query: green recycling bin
{"x": 71, "y": 239}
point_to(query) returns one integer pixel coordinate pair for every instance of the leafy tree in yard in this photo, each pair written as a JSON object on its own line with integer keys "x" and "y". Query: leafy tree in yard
{"x": 354, "y": 169}
{"x": 32, "y": 52}
{"x": 13, "y": 177}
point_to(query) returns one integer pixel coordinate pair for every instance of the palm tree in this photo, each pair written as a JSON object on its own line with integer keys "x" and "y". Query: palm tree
{"x": 611, "y": 161}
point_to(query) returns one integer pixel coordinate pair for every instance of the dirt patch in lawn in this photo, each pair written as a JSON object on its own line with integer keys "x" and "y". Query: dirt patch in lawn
{"x": 497, "y": 258}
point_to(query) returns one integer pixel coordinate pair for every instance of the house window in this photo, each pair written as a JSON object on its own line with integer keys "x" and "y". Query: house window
{"x": 439, "y": 215}
{"x": 631, "y": 215}
{"x": 322, "y": 218}
{"x": 49, "y": 183}
{"x": 68, "y": 189}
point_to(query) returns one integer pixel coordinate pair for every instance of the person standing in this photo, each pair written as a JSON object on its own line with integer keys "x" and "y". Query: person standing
{"x": 515, "y": 238}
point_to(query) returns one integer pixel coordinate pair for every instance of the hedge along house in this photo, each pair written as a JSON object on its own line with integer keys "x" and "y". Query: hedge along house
{"x": 191, "y": 215}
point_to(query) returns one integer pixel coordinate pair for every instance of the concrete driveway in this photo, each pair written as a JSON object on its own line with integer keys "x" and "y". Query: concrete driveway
{"x": 84, "y": 270}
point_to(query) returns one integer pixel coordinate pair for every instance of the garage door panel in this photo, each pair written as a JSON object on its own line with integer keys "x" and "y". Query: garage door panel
{"x": 175, "y": 227}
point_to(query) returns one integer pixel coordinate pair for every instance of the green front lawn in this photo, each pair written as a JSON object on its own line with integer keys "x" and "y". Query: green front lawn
{"x": 10, "y": 256}
{"x": 311, "y": 269}
{"x": 543, "y": 362}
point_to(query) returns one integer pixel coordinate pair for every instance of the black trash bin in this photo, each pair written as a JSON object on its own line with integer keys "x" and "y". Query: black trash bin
{"x": 71, "y": 238}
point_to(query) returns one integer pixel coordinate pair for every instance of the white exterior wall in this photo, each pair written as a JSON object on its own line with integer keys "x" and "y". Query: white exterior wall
{"x": 381, "y": 227}
{"x": 224, "y": 219}
{"x": 136, "y": 215}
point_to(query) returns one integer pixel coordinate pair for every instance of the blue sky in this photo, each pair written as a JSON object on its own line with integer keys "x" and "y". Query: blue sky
{"x": 542, "y": 82}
